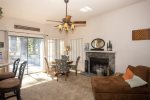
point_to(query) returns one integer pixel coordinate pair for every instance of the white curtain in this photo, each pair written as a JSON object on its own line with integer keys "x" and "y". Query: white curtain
{"x": 76, "y": 49}
{"x": 55, "y": 49}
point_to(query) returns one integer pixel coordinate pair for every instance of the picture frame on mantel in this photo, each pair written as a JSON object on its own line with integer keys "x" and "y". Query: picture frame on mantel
{"x": 86, "y": 46}
{"x": 1, "y": 57}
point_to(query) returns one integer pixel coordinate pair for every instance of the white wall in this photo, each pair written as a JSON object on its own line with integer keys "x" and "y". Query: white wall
{"x": 7, "y": 23}
{"x": 117, "y": 26}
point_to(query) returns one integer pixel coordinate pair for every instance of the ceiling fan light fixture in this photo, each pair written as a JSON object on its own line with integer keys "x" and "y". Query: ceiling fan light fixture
{"x": 66, "y": 27}
{"x": 72, "y": 27}
{"x": 60, "y": 27}
{"x": 66, "y": 23}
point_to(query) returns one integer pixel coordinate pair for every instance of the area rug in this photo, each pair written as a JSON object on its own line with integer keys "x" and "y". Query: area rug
{"x": 42, "y": 87}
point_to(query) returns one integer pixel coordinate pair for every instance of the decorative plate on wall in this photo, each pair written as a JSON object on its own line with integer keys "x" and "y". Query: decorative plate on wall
{"x": 142, "y": 34}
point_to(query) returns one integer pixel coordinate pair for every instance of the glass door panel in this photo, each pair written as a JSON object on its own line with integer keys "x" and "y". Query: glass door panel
{"x": 27, "y": 49}
{"x": 17, "y": 49}
{"x": 35, "y": 55}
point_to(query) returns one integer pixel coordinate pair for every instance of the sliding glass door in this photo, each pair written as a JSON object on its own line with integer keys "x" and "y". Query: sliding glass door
{"x": 27, "y": 49}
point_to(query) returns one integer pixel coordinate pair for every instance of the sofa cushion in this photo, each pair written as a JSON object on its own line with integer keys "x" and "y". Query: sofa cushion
{"x": 114, "y": 84}
{"x": 136, "y": 81}
{"x": 6, "y": 75}
{"x": 140, "y": 71}
{"x": 128, "y": 74}
{"x": 9, "y": 83}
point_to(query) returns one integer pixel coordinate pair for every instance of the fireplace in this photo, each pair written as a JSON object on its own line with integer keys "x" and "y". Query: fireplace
{"x": 97, "y": 63}
{"x": 100, "y": 60}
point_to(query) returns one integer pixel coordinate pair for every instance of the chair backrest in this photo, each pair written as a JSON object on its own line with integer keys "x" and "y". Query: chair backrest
{"x": 149, "y": 80}
{"x": 77, "y": 61}
{"x": 64, "y": 57}
{"x": 61, "y": 65}
{"x": 15, "y": 66}
{"x": 21, "y": 71}
{"x": 47, "y": 65}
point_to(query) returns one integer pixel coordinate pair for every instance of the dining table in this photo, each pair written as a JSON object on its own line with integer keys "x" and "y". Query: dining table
{"x": 68, "y": 62}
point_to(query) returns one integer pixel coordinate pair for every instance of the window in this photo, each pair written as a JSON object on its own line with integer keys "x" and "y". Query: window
{"x": 55, "y": 49}
{"x": 76, "y": 49}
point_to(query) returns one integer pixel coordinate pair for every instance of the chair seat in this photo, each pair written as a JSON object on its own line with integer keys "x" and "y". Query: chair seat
{"x": 7, "y": 75}
{"x": 9, "y": 83}
{"x": 53, "y": 65}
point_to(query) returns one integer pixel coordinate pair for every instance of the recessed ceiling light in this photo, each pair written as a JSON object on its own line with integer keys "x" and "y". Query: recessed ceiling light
{"x": 86, "y": 9}
{"x": 83, "y": 10}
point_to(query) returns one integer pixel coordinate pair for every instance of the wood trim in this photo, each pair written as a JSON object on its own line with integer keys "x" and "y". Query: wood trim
{"x": 26, "y": 28}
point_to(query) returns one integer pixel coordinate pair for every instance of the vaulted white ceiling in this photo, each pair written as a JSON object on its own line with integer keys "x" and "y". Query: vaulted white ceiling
{"x": 41, "y": 10}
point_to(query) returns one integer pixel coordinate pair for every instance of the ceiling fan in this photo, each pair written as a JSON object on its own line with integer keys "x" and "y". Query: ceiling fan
{"x": 66, "y": 24}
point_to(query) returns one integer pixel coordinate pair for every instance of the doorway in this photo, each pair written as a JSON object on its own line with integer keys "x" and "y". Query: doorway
{"x": 28, "y": 49}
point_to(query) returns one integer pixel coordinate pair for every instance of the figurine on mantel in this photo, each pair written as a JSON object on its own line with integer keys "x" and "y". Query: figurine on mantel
{"x": 109, "y": 46}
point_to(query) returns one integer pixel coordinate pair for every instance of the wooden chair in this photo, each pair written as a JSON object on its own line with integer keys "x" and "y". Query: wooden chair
{"x": 12, "y": 74}
{"x": 50, "y": 68}
{"x": 62, "y": 68}
{"x": 12, "y": 84}
{"x": 74, "y": 67}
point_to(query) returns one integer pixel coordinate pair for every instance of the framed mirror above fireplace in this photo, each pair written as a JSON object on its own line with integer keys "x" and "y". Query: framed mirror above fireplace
{"x": 98, "y": 44}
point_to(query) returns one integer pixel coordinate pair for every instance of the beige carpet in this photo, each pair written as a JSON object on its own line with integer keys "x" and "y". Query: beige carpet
{"x": 42, "y": 87}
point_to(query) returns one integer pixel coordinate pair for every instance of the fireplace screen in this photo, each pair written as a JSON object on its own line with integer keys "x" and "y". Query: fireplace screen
{"x": 99, "y": 63}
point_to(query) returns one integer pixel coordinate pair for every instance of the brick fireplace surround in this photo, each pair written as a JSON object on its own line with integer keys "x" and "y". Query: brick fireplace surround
{"x": 110, "y": 55}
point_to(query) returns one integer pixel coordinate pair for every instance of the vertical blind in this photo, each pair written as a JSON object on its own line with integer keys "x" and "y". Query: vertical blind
{"x": 76, "y": 49}
{"x": 55, "y": 49}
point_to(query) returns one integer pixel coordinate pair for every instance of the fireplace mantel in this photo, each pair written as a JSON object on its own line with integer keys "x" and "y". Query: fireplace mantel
{"x": 101, "y": 51}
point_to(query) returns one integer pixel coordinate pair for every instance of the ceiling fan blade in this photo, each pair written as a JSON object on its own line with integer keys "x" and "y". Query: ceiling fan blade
{"x": 57, "y": 25}
{"x": 54, "y": 21}
{"x": 79, "y": 22}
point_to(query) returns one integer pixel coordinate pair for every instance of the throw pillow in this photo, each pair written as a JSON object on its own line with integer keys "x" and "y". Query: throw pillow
{"x": 136, "y": 82}
{"x": 128, "y": 74}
